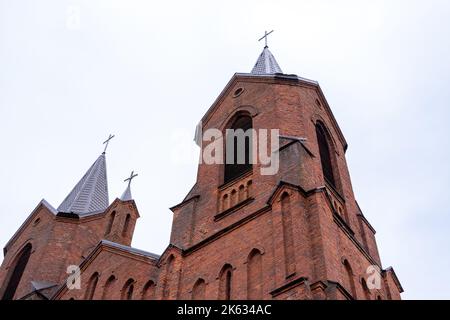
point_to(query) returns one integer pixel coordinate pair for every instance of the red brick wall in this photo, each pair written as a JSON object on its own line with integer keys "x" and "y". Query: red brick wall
{"x": 301, "y": 242}
{"x": 59, "y": 242}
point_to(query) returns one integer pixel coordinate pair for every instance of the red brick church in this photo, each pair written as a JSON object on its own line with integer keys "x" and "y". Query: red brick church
{"x": 238, "y": 234}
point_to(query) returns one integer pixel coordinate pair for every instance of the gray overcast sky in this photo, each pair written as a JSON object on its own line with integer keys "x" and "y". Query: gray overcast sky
{"x": 147, "y": 71}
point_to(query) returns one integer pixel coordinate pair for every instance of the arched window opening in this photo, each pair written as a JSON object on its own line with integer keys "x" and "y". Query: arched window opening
{"x": 225, "y": 202}
{"x": 238, "y": 149}
{"x": 110, "y": 223}
{"x": 365, "y": 289}
{"x": 198, "y": 291}
{"x": 242, "y": 196}
{"x": 254, "y": 275}
{"x": 350, "y": 278}
{"x": 126, "y": 225}
{"x": 127, "y": 290}
{"x": 233, "y": 198}
{"x": 168, "y": 277}
{"x": 148, "y": 293}
{"x": 92, "y": 285}
{"x": 248, "y": 189}
{"x": 109, "y": 287}
{"x": 225, "y": 282}
{"x": 20, "y": 264}
{"x": 325, "y": 155}
{"x": 288, "y": 234}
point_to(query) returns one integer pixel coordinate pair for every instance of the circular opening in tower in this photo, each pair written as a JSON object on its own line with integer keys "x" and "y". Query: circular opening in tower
{"x": 238, "y": 92}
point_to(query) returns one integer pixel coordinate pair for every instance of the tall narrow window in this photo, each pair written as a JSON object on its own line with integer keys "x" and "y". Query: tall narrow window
{"x": 350, "y": 278}
{"x": 238, "y": 151}
{"x": 365, "y": 289}
{"x": 198, "y": 291}
{"x": 288, "y": 234}
{"x": 225, "y": 282}
{"x": 148, "y": 293}
{"x": 109, "y": 287}
{"x": 168, "y": 277}
{"x": 92, "y": 285}
{"x": 126, "y": 225}
{"x": 254, "y": 275}
{"x": 20, "y": 263}
{"x": 325, "y": 155}
{"x": 127, "y": 290}
{"x": 110, "y": 223}
{"x": 241, "y": 193}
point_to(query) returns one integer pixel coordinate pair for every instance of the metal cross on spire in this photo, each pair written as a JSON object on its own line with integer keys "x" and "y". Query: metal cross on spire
{"x": 265, "y": 37}
{"x": 106, "y": 142}
{"x": 132, "y": 176}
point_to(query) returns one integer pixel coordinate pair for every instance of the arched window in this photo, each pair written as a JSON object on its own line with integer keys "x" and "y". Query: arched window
{"x": 109, "y": 287}
{"x": 19, "y": 267}
{"x": 168, "y": 277}
{"x": 110, "y": 223}
{"x": 365, "y": 289}
{"x": 325, "y": 155}
{"x": 350, "y": 278}
{"x": 238, "y": 149}
{"x": 225, "y": 202}
{"x": 92, "y": 284}
{"x": 233, "y": 198}
{"x": 198, "y": 291}
{"x": 254, "y": 275}
{"x": 248, "y": 189}
{"x": 241, "y": 193}
{"x": 126, "y": 225}
{"x": 148, "y": 293}
{"x": 225, "y": 282}
{"x": 288, "y": 234}
{"x": 127, "y": 290}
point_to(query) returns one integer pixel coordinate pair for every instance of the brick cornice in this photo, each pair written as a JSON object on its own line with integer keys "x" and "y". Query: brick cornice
{"x": 289, "y": 285}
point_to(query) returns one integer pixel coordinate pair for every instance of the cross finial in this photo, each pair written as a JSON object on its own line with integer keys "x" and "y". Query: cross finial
{"x": 265, "y": 37}
{"x": 132, "y": 176}
{"x": 106, "y": 142}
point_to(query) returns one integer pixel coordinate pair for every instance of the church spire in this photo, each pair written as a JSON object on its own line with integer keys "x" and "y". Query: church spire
{"x": 126, "y": 195}
{"x": 90, "y": 194}
{"x": 266, "y": 63}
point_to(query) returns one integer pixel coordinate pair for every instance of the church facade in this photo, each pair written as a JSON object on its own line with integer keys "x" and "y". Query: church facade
{"x": 238, "y": 234}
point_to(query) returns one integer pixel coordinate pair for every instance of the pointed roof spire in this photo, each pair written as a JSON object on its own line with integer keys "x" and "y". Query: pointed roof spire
{"x": 126, "y": 195}
{"x": 90, "y": 194}
{"x": 266, "y": 63}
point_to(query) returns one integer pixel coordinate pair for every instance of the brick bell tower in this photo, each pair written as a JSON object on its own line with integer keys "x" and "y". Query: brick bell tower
{"x": 296, "y": 234}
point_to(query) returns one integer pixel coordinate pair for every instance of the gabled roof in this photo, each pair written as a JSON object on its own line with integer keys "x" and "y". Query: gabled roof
{"x": 41, "y": 285}
{"x": 266, "y": 63}
{"x": 41, "y": 289}
{"x": 90, "y": 194}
